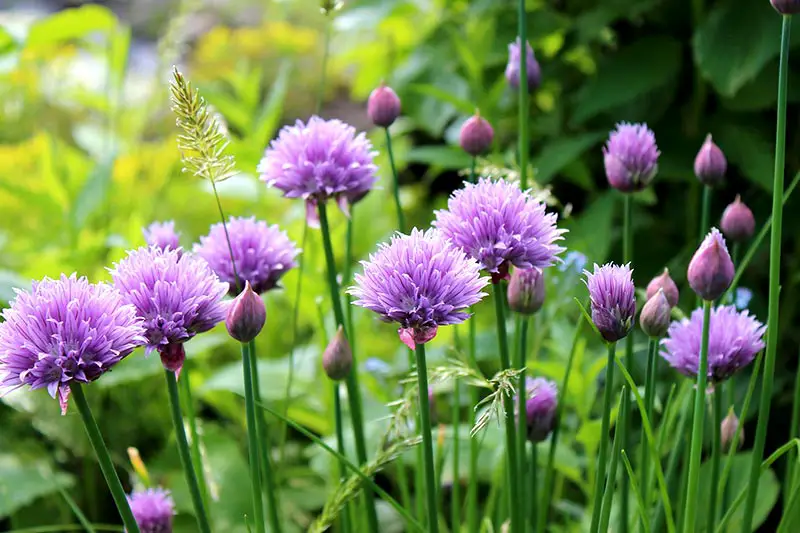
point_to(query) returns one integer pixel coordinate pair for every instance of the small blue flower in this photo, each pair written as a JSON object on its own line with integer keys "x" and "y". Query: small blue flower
{"x": 742, "y": 298}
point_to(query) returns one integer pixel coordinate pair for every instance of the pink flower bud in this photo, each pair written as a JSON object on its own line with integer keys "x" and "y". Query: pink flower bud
{"x": 246, "y": 315}
{"x": 728, "y": 429}
{"x": 655, "y": 316}
{"x": 665, "y": 283}
{"x": 172, "y": 356}
{"x": 711, "y": 269}
{"x": 383, "y": 106}
{"x": 710, "y": 164}
{"x": 786, "y": 7}
{"x": 476, "y": 135}
{"x": 738, "y": 223}
{"x": 526, "y": 290}
{"x": 337, "y": 360}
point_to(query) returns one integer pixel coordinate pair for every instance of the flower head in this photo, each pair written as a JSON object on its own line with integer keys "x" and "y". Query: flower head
{"x": 540, "y": 407}
{"x": 262, "y": 253}
{"x": 153, "y": 510}
{"x": 383, "y": 106}
{"x": 665, "y": 283}
{"x": 162, "y": 234}
{"x": 420, "y": 281}
{"x": 631, "y": 157}
{"x": 177, "y": 296}
{"x": 711, "y": 269}
{"x": 499, "y": 225}
{"x": 320, "y": 160}
{"x": 476, "y": 135}
{"x": 710, "y": 164}
{"x": 65, "y": 331}
{"x": 534, "y": 73}
{"x": 526, "y": 290}
{"x": 734, "y": 339}
{"x": 738, "y": 223}
{"x": 613, "y": 299}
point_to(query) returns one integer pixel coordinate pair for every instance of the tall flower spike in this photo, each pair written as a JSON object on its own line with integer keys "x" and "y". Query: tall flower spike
{"x": 665, "y": 283}
{"x": 383, "y": 106}
{"x": 540, "y": 407}
{"x": 734, "y": 340}
{"x": 738, "y": 223}
{"x": 162, "y": 235}
{"x": 631, "y": 157}
{"x": 512, "y": 68}
{"x": 476, "y": 135}
{"x": 711, "y": 269}
{"x": 421, "y": 282}
{"x": 613, "y": 300}
{"x": 318, "y": 161}
{"x": 710, "y": 164}
{"x": 64, "y": 331}
{"x": 153, "y": 510}
{"x": 178, "y": 297}
{"x": 499, "y": 225}
{"x": 262, "y": 253}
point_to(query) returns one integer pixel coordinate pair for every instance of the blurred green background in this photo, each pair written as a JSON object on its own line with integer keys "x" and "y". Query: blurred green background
{"x": 88, "y": 157}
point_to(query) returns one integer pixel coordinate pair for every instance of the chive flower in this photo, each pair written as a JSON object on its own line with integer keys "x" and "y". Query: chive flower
{"x": 162, "y": 234}
{"x": 262, "y": 253}
{"x": 320, "y": 160}
{"x": 421, "y": 282}
{"x": 65, "y": 331}
{"x": 735, "y": 337}
{"x": 499, "y": 225}
{"x": 153, "y": 510}
{"x": 613, "y": 299}
{"x": 534, "y": 73}
{"x": 177, "y": 296}
{"x": 631, "y": 157}
{"x": 540, "y": 407}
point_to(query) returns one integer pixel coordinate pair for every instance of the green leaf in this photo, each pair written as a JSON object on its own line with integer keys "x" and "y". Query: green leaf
{"x": 735, "y": 42}
{"x": 70, "y": 24}
{"x": 461, "y": 104}
{"x": 749, "y": 151}
{"x": 8, "y": 282}
{"x": 449, "y": 157}
{"x": 24, "y": 479}
{"x": 591, "y": 233}
{"x": 637, "y": 69}
{"x": 133, "y": 368}
{"x": 561, "y": 152}
{"x": 270, "y": 115}
{"x": 93, "y": 194}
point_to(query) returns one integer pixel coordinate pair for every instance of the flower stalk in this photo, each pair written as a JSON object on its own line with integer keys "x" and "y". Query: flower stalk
{"x": 602, "y": 456}
{"x": 522, "y": 17}
{"x": 427, "y": 439}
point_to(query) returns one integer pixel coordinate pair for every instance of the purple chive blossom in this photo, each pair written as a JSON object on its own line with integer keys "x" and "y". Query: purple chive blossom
{"x": 64, "y": 331}
{"x": 420, "y": 281}
{"x": 613, "y": 300}
{"x": 540, "y": 407}
{"x": 631, "y": 157}
{"x": 177, "y": 296}
{"x": 153, "y": 510}
{"x": 320, "y": 160}
{"x": 534, "y": 73}
{"x": 262, "y": 253}
{"x": 735, "y": 337}
{"x": 162, "y": 235}
{"x": 498, "y": 225}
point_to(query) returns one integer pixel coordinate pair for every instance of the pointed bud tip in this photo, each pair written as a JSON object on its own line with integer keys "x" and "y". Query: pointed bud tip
{"x": 337, "y": 359}
{"x": 738, "y": 223}
{"x": 710, "y": 164}
{"x": 655, "y": 317}
{"x": 664, "y": 282}
{"x": 476, "y": 135}
{"x": 383, "y": 106}
{"x": 728, "y": 430}
{"x": 526, "y": 291}
{"x": 711, "y": 269}
{"x": 246, "y": 315}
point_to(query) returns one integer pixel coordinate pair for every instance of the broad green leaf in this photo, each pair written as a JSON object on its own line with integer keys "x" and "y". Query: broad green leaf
{"x": 591, "y": 233}
{"x": 461, "y": 104}
{"x": 269, "y": 116}
{"x": 735, "y": 42}
{"x": 133, "y": 368}
{"x": 69, "y": 24}
{"x": 9, "y": 281}
{"x": 449, "y": 157}
{"x": 641, "y": 67}
{"x": 749, "y": 150}
{"x": 561, "y": 152}
{"x": 24, "y": 479}
{"x": 93, "y": 194}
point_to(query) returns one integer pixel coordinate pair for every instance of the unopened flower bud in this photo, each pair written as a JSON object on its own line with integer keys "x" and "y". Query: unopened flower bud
{"x": 786, "y": 7}
{"x": 655, "y": 316}
{"x": 540, "y": 407}
{"x": 246, "y": 315}
{"x": 337, "y": 360}
{"x": 526, "y": 290}
{"x": 665, "y": 283}
{"x": 383, "y": 106}
{"x": 533, "y": 72}
{"x": 172, "y": 356}
{"x": 728, "y": 429}
{"x": 738, "y": 223}
{"x": 710, "y": 164}
{"x": 711, "y": 269}
{"x": 476, "y": 135}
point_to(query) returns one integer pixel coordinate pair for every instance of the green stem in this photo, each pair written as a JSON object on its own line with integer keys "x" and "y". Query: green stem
{"x": 522, "y": 397}
{"x": 325, "y": 55}
{"x": 698, "y": 421}
{"x": 353, "y": 389}
{"x": 547, "y": 492}
{"x": 511, "y": 439}
{"x": 774, "y": 279}
{"x": 523, "y": 95}
{"x": 472, "y": 177}
{"x": 705, "y": 216}
{"x": 608, "y": 496}
{"x": 716, "y": 454}
{"x": 604, "y": 429}
{"x": 197, "y": 456}
{"x": 649, "y": 400}
{"x": 185, "y": 455}
{"x": 337, "y": 409}
{"x": 262, "y": 440}
{"x": 674, "y": 459}
{"x": 253, "y": 448}
{"x": 401, "y": 224}
{"x": 103, "y": 458}
{"x": 427, "y": 439}
{"x": 533, "y": 497}
{"x": 227, "y": 237}
{"x": 627, "y": 253}
{"x": 456, "y": 493}
{"x": 793, "y": 432}
{"x": 474, "y": 444}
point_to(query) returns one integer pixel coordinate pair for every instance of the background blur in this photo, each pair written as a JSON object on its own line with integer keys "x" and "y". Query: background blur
{"x": 88, "y": 157}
